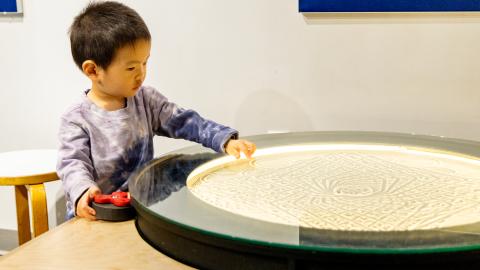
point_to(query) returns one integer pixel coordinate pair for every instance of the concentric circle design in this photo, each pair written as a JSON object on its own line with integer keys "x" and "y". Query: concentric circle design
{"x": 316, "y": 200}
{"x": 345, "y": 187}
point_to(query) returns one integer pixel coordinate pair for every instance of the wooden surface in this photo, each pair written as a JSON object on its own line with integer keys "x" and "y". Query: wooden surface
{"x": 39, "y": 209}
{"x": 23, "y": 214}
{"x": 83, "y": 244}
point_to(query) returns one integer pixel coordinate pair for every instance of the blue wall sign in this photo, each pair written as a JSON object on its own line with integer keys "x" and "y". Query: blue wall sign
{"x": 388, "y": 5}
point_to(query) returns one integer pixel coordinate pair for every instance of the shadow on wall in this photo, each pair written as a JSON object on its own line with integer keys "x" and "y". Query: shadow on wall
{"x": 60, "y": 208}
{"x": 266, "y": 111}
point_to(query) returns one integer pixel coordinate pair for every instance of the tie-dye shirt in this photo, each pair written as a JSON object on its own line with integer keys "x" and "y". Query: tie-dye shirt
{"x": 99, "y": 147}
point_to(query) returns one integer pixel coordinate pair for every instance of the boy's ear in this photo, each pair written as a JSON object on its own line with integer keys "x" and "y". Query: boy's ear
{"x": 90, "y": 69}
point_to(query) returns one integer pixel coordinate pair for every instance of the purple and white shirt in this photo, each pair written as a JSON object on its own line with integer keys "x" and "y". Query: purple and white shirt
{"x": 99, "y": 147}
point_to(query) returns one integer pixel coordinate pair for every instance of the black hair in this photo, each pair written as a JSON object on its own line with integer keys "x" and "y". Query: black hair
{"x": 101, "y": 29}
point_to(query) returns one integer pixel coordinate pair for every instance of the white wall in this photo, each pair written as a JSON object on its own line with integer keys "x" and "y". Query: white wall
{"x": 256, "y": 65}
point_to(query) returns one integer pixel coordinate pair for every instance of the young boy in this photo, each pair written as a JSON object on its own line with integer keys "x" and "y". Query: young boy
{"x": 109, "y": 133}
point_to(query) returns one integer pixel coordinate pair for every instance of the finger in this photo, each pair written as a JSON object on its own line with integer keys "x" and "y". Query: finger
{"x": 89, "y": 213}
{"x": 93, "y": 191}
{"x": 90, "y": 210}
{"x": 90, "y": 217}
{"x": 235, "y": 153}
{"x": 250, "y": 149}
{"x": 84, "y": 206}
{"x": 244, "y": 148}
{"x": 84, "y": 214}
{"x": 254, "y": 148}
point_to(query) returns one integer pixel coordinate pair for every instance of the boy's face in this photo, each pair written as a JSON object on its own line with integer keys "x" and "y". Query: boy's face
{"x": 126, "y": 73}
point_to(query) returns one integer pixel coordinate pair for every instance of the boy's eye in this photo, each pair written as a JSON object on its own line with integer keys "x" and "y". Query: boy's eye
{"x": 131, "y": 68}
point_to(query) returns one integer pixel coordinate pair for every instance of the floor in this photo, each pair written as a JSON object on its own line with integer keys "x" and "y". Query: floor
{"x": 8, "y": 240}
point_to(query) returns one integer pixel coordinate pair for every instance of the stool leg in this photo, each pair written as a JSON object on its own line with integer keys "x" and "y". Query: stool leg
{"x": 23, "y": 215}
{"x": 39, "y": 209}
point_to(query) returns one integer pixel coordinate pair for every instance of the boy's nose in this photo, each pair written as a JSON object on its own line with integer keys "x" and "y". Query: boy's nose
{"x": 143, "y": 72}
{"x": 141, "y": 75}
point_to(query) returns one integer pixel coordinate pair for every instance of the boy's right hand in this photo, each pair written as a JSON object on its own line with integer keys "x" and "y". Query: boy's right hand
{"x": 83, "y": 205}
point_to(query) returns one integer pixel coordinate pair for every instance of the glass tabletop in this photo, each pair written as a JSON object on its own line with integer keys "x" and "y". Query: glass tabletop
{"x": 347, "y": 192}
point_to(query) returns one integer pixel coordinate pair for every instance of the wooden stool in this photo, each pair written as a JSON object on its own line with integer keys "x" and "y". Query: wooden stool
{"x": 29, "y": 169}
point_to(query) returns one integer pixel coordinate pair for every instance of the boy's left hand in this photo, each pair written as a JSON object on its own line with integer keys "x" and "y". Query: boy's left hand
{"x": 235, "y": 147}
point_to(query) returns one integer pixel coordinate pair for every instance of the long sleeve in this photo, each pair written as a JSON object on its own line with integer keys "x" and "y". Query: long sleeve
{"x": 168, "y": 119}
{"x": 74, "y": 166}
{"x": 102, "y": 148}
